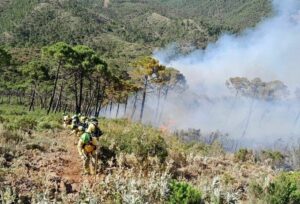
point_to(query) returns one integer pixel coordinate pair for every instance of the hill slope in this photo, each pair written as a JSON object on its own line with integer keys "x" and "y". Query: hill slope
{"x": 41, "y": 164}
{"x": 111, "y": 26}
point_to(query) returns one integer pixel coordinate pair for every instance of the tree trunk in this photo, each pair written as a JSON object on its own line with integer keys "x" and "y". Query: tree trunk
{"x": 88, "y": 108}
{"x": 134, "y": 106}
{"x": 163, "y": 106}
{"x": 106, "y": 107}
{"x": 80, "y": 92}
{"x": 126, "y": 103}
{"x": 118, "y": 107}
{"x": 54, "y": 88}
{"x": 110, "y": 109}
{"x": 31, "y": 106}
{"x": 59, "y": 98}
{"x": 96, "y": 114}
{"x": 143, "y": 99}
{"x": 65, "y": 108}
{"x": 157, "y": 106}
{"x": 76, "y": 93}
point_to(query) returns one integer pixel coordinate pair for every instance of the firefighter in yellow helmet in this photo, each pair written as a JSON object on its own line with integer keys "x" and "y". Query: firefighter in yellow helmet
{"x": 95, "y": 130}
{"x": 83, "y": 120}
{"x": 77, "y": 128}
{"x": 67, "y": 121}
{"x": 87, "y": 148}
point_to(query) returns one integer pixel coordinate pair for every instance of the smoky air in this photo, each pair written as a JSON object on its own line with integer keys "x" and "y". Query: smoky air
{"x": 245, "y": 86}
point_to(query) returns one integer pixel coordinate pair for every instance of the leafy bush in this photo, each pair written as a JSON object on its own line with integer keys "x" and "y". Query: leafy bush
{"x": 243, "y": 155}
{"x": 45, "y": 125}
{"x": 256, "y": 189}
{"x": 15, "y": 118}
{"x": 285, "y": 189}
{"x": 181, "y": 192}
{"x": 276, "y": 157}
{"x": 134, "y": 138}
{"x": 24, "y": 123}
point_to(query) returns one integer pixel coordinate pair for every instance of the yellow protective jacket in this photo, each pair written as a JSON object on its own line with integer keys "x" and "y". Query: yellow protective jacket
{"x": 88, "y": 148}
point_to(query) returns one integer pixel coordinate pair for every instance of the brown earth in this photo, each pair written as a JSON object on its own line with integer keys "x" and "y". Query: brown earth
{"x": 51, "y": 165}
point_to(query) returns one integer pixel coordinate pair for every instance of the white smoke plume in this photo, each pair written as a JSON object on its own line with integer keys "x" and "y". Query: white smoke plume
{"x": 270, "y": 51}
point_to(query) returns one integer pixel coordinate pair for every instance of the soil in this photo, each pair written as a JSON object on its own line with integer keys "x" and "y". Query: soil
{"x": 56, "y": 167}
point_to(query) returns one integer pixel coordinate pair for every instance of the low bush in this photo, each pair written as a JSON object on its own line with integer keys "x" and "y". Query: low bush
{"x": 256, "y": 189}
{"x": 16, "y": 118}
{"x": 243, "y": 155}
{"x": 276, "y": 157}
{"x": 182, "y": 192}
{"x": 24, "y": 123}
{"x": 284, "y": 189}
{"x": 134, "y": 138}
{"x": 51, "y": 125}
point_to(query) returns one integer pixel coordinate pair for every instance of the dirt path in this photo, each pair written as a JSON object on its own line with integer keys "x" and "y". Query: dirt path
{"x": 49, "y": 161}
{"x": 71, "y": 171}
{"x": 73, "y": 167}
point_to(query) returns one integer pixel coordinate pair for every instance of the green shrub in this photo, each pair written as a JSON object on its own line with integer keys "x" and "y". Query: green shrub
{"x": 134, "y": 138}
{"x": 24, "y": 123}
{"x": 284, "y": 190}
{"x": 276, "y": 157}
{"x": 256, "y": 189}
{"x": 44, "y": 125}
{"x": 182, "y": 192}
{"x": 243, "y": 155}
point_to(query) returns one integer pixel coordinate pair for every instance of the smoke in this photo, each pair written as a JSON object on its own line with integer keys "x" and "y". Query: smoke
{"x": 270, "y": 51}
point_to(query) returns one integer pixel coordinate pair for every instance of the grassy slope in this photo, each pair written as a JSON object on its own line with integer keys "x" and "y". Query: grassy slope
{"x": 34, "y": 144}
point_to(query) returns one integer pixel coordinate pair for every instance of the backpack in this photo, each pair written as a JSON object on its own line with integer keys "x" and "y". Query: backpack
{"x": 97, "y": 133}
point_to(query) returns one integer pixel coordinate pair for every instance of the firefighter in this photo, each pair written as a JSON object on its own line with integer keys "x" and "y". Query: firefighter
{"x": 87, "y": 148}
{"x": 95, "y": 127}
{"x": 67, "y": 121}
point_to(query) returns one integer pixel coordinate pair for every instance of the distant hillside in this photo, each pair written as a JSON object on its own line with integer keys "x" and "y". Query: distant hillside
{"x": 124, "y": 29}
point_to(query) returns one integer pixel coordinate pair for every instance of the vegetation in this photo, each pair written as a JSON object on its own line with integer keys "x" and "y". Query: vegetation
{"x": 284, "y": 189}
{"x": 181, "y": 192}
{"x": 75, "y": 56}
{"x": 123, "y": 30}
{"x": 243, "y": 155}
{"x": 75, "y": 79}
{"x": 138, "y": 163}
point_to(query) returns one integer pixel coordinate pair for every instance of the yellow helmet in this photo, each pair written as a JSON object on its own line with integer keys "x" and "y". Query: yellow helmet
{"x": 91, "y": 128}
{"x": 67, "y": 118}
{"x": 83, "y": 118}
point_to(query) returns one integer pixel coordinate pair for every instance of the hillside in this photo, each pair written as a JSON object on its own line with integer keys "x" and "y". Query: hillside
{"x": 125, "y": 28}
{"x": 89, "y": 115}
{"x": 39, "y": 163}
